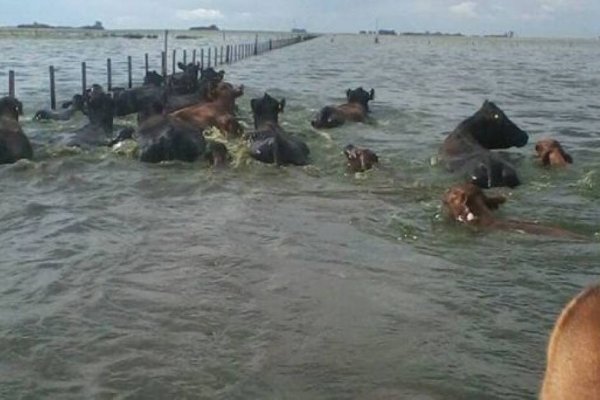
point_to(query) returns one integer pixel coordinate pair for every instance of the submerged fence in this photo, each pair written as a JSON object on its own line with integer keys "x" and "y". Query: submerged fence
{"x": 209, "y": 56}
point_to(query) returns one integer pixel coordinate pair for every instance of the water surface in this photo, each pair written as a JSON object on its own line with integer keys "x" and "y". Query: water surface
{"x": 121, "y": 280}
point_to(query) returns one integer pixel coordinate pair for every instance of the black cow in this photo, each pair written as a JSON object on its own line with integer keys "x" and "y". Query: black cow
{"x": 184, "y": 82}
{"x": 165, "y": 138}
{"x": 69, "y": 109}
{"x": 268, "y": 142}
{"x": 209, "y": 78}
{"x": 14, "y": 145}
{"x": 467, "y": 148}
{"x": 100, "y": 112}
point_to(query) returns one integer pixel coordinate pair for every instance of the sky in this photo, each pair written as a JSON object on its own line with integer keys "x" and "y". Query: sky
{"x": 546, "y": 18}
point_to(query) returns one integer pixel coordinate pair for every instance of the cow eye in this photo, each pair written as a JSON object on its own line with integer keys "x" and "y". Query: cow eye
{"x": 496, "y": 116}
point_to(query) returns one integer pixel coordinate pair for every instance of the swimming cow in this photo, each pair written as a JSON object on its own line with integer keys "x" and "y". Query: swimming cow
{"x": 166, "y": 138}
{"x": 467, "y": 148}
{"x": 360, "y": 160}
{"x": 209, "y": 79}
{"x": 355, "y": 109}
{"x": 153, "y": 78}
{"x": 186, "y": 81}
{"x": 268, "y": 143}
{"x": 131, "y": 101}
{"x": 551, "y": 153}
{"x": 77, "y": 103}
{"x": 100, "y": 113}
{"x": 468, "y": 204}
{"x": 14, "y": 145}
{"x": 217, "y": 112}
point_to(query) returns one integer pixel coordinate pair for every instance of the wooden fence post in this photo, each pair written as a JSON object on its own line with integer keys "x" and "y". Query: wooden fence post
{"x": 83, "y": 78}
{"x": 109, "y": 73}
{"x": 129, "y": 73}
{"x": 166, "y": 42}
{"x": 174, "y": 60}
{"x": 52, "y": 89}
{"x": 11, "y": 83}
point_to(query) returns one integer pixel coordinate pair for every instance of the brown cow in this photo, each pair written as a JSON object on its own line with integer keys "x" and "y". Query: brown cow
{"x": 360, "y": 160}
{"x": 573, "y": 354}
{"x": 468, "y": 204}
{"x": 217, "y": 112}
{"x": 551, "y": 153}
{"x": 356, "y": 110}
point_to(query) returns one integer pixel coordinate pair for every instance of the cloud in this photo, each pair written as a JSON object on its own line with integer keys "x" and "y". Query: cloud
{"x": 199, "y": 13}
{"x": 466, "y": 9}
{"x": 551, "y": 5}
{"x": 530, "y": 17}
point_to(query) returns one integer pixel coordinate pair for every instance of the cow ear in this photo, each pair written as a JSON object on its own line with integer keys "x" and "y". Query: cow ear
{"x": 221, "y": 74}
{"x": 372, "y": 94}
{"x": 281, "y": 105}
{"x": 348, "y": 94}
{"x": 567, "y": 157}
{"x": 19, "y": 107}
{"x": 253, "y": 105}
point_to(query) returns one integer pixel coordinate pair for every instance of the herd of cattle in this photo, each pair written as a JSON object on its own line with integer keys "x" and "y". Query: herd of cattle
{"x": 173, "y": 115}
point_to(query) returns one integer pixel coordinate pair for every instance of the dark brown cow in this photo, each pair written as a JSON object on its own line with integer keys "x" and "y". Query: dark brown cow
{"x": 356, "y": 110}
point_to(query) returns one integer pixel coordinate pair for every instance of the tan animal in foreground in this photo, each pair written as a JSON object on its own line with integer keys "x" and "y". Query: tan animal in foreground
{"x": 573, "y": 356}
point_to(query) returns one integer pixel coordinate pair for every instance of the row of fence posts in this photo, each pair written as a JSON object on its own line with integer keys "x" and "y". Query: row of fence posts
{"x": 227, "y": 55}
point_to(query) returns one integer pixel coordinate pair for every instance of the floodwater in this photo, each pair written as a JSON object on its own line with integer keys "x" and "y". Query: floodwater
{"x": 122, "y": 280}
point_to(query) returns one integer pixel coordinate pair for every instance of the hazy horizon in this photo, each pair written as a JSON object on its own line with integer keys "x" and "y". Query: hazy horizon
{"x": 539, "y": 18}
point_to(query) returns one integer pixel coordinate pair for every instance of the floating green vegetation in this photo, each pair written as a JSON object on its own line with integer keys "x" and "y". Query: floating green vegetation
{"x": 237, "y": 148}
{"x": 588, "y": 181}
{"x": 127, "y": 148}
